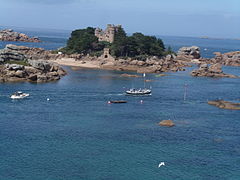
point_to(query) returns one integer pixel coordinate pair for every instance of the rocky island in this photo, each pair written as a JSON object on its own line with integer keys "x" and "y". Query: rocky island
{"x": 113, "y": 49}
{"x": 10, "y": 35}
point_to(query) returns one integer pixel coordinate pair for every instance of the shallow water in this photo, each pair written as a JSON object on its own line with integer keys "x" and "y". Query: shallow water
{"x": 77, "y": 135}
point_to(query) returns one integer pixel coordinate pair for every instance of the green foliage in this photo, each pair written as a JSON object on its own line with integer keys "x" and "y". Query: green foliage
{"x": 137, "y": 46}
{"x": 118, "y": 47}
{"x": 55, "y": 51}
{"x": 169, "y": 51}
{"x": 96, "y": 53}
{"x": 82, "y": 41}
{"x": 24, "y": 63}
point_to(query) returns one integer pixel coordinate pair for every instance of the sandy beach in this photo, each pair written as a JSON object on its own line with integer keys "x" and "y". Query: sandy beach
{"x": 73, "y": 62}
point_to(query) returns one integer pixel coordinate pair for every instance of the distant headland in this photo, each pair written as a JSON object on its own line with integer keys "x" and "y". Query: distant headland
{"x": 207, "y": 37}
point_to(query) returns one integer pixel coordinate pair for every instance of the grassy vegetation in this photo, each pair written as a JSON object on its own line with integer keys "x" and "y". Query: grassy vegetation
{"x": 24, "y": 63}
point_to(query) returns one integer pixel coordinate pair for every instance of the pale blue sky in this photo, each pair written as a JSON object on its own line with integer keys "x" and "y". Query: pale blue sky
{"x": 215, "y": 18}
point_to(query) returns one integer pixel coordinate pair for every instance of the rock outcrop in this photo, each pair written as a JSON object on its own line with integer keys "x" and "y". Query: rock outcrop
{"x": 225, "y": 104}
{"x": 150, "y": 65}
{"x": 42, "y": 72}
{"x": 168, "y": 123}
{"x": 227, "y": 59}
{"x": 33, "y": 69}
{"x": 19, "y": 53}
{"x": 10, "y": 35}
{"x": 11, "y": 55}
{"x": 189, "y": 53}
{"x": 214, "y": 70}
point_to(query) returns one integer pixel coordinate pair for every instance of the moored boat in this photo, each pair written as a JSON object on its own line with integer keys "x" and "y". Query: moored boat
{"x": 19, "y": 95}
{"x": 117, "y": 101}
{"x": 139, "y": 91}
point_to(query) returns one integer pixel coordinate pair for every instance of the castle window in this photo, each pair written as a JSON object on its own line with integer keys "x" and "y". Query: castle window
{"x": 106, "y": 56}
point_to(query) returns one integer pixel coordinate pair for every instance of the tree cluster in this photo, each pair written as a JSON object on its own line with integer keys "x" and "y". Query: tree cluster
{"x": 83, "y": 41}
{"x": 137, "y": 45}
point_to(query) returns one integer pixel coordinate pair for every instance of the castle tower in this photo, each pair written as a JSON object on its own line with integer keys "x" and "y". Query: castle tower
{"x": 106, "y": 55}
{"x": 108, "y": 33}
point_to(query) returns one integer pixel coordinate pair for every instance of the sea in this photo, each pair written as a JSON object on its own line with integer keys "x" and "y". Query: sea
{"x": 66, "y": 130}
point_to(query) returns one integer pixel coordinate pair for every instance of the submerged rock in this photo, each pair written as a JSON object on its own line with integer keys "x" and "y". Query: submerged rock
{"x": 225, "y": 104}
{"x": 129, "y": 75}
{"x": 168, "y": 123}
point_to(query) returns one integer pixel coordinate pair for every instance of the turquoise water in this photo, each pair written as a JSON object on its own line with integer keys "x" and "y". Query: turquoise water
{"x": 77, "y": 135}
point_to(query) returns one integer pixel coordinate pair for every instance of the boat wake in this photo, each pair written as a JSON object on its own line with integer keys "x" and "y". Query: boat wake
{"x": 120, "y": 94}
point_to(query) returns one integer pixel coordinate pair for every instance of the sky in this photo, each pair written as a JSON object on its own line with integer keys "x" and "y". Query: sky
{"x": 213, "y": 18}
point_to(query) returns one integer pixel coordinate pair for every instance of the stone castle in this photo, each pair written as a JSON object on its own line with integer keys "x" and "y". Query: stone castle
{"x": 108, "y": 33}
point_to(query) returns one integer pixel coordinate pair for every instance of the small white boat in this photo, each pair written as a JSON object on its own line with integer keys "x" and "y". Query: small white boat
{"x": 139, "y": 91}
{"x": 19, "y": 95}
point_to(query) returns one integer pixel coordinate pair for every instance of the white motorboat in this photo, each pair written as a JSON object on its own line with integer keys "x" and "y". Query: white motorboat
{"x": 139, "y": 91}
{"x": 19, "y": 95}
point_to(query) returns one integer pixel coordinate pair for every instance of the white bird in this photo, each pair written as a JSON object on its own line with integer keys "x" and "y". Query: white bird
{"x": 48, "y": 99}
{"x": 161, "y": 164}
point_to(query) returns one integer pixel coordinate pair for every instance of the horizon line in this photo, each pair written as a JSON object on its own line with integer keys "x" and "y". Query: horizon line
{"x": 70, "y": 30}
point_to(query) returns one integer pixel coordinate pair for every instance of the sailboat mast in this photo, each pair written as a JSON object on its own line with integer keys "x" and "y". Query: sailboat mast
{"x": 144, "y": 80}
{"x": 185, "y": 92}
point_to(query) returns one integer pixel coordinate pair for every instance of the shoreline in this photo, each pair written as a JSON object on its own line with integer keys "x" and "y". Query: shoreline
{"x": 74, "y": 63}
{"x": 94, "y": 64}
